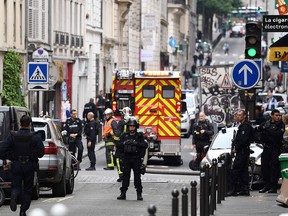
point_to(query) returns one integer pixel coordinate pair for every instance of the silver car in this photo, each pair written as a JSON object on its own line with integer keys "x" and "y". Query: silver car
{"x": 55, "y": 167}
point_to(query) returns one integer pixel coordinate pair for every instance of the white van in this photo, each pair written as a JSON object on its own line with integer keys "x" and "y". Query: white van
{"x": 193, "y": 105}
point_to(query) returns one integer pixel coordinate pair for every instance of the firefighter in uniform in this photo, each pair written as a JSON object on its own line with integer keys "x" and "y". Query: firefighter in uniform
{"x": 126, "y": 112}
{"x": 271, "y": 136}
{"x": 202, "y": 132}
{"x": 241, "y": 147}
{"x": 109, "y": 131}
{"x": 133, "y": 146}
{"x": 73, "y": 126}
{"x": 23, "y": 148}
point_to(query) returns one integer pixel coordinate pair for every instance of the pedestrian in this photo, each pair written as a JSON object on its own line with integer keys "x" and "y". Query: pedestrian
{"x": 271, "y": 135}
{"x": 126, "y": 113}
{"x": 195, "y": 58}
{"x": 100, "y": 105}
{"x": 271, "y": 102}
{"x": 241, "y": 147}
{"x": 24, "y": 148}
{"x": 89, "y": 107}
{"x": 279, "y": 78}
{"x": 226, "y": 48}
{"x": 73, "y": 127}
{"x": 91, "y": 131}
{"x": 208, "y": 60}
{"x": 109, "y": 131}
{"x": 259, "y": 117}
{"x": 133, "y": 146}
{"x": 187, "y": 76}
{"x": 202, "y": 132}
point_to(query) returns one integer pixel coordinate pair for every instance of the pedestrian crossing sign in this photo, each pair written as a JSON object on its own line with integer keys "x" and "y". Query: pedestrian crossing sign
{"x": 226, "y": 82}
{"x": 38, "y": 72}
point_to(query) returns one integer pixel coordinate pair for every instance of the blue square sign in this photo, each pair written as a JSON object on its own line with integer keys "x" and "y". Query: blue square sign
{"x": 38, "y": 72}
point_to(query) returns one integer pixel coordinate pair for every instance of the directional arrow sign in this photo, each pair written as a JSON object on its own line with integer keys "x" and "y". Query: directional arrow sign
{"x": 246, "y": 74}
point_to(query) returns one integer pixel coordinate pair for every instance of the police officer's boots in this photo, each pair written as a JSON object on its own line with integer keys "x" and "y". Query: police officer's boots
{"x": 139, "y": 196}
{"x": 122, "y": 196}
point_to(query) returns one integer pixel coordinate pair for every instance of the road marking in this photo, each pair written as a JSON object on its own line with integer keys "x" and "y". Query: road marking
{"x": 58, "y": 199}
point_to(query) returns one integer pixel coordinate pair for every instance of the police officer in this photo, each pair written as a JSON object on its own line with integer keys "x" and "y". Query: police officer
{"x": 91, "y": 131}
{"x": 202, "y": 132}
{"x": 133, "y": 146}
{"x": 126, "y": 112}
{"x": 23, "y": 148}
{"x": 109, "y": 131}
{"x": 89, "y": 107}
{"x": 271, "y": 136}
{"x": 73, "y": 126}
{"x": 239, "y": 173}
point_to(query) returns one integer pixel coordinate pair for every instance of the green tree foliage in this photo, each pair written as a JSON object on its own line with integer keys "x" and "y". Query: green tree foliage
{"x": 12, "y": 92}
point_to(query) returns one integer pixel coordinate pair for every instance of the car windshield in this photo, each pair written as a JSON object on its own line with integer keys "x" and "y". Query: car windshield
{"x": 42, "y": 126}
{"x": 222, "y": 140}
{"x": 190, "y": 102}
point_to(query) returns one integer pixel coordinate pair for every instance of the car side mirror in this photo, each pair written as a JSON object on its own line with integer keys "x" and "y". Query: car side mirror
{"x": 42, "y": 134}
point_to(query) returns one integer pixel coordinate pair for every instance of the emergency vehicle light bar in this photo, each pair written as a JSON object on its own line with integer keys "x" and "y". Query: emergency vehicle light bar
{"x": 156, "y": 73}
{"x": 124, "y": 74}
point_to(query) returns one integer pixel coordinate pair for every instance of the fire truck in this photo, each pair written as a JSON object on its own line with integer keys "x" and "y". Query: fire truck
{"x": 155, "y": 99}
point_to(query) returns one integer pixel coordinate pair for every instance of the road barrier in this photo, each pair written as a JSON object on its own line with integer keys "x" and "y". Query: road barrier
{"x": 213, "y": 190}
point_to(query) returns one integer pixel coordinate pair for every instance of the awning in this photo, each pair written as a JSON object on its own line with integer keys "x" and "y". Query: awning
{"x": 278, "y": 51}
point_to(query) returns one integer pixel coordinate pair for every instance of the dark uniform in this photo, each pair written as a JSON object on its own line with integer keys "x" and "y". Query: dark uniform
{"x": 201, "y": 140}
{"x": 23, "y": 148}
{"x": 239, "y": 173}
{"x": 74, "y": 126}
{"x": 89, "y": 107}
{"x": 271, "y": 137}
{"x": 133, "y": 147}
{"x": 91, "y": 131}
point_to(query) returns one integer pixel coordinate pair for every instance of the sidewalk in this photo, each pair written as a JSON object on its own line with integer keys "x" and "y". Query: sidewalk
{"x": 256, "y": 204}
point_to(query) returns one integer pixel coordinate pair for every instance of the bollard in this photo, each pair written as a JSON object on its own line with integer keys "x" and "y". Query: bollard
{"x": 193, "y": 198}
{"x": 219, "y": 181}
{"x": 203, "y": 190}
{"x": 184, "y": 201}
{"x": 225, "y": 184}
{"x": 212, "y": 206}
{"x": 175, "y": 202}
{"x": 222, "y": 177}
{"x": 206, "y": 190}
{"x": 100, "y": 132}
{"x": 152, "y": 210}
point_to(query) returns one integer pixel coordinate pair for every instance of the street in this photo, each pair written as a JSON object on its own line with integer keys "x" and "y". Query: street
{"x": 96, "y": 191}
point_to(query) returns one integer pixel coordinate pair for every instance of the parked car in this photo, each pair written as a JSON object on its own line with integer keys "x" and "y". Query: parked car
{"x": 237, "y": 31}
{"x": 185, "y": 121}
{"x": 55, "y": 167}
{"x": 221, "y": 144}
{"x": 261, "y": 99}
{"x": 10, "y": 122}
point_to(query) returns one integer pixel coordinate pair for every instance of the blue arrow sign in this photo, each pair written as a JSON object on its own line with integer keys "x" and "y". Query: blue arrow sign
{"x": 246, "y": 74}
{"x": 38, "y": 72}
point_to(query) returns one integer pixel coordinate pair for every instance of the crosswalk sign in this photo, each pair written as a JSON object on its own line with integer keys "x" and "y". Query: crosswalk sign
{"x": 38, "y": 72}
{"x": 226, "y": 82}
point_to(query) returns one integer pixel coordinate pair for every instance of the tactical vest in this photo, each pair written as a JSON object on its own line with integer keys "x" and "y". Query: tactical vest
{"x": 23, "y": 147}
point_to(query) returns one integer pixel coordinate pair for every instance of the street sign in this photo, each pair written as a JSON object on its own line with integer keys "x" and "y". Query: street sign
{"x": 38, "y": 86}
{"x": 40, "y": 55}
{"x": 275, "y": 23}
{"x": 38, "y": 72}
{"x": 246, "y": 74}
{"x": 226, "y": 82}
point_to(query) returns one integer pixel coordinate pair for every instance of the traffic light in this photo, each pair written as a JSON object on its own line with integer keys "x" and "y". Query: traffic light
{"x": 253, "y": 40}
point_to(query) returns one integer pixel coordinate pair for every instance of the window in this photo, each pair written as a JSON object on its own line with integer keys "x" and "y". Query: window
{"x": 168, "y": 92}
{"x": 148, "y": 91}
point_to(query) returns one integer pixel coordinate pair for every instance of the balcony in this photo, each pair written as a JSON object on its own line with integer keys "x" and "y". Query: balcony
{"x": 61, "y": 38}
{"x": 76, "y": 41}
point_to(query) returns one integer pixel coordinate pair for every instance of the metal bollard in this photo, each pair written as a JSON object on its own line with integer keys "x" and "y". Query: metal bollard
{"x": 225, "y": 184}
{"x": 184, "y": 201}
{"x": 100, "y": 132}
{"x": 212, "y": 206}
{"x": 219, "y": 181}
{"x": 193, "y": 198}
{"x": 175, "y": 202}
{"x": 152, "y": 210}
{"x": 223, "y": 178}
{"x": 206, "y": 190}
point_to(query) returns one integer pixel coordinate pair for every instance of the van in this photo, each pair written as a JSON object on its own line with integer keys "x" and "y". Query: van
{"x": 193, "y": 105}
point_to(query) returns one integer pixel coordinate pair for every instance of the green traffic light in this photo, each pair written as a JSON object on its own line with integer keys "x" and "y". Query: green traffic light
{"x": 251, "y": 52}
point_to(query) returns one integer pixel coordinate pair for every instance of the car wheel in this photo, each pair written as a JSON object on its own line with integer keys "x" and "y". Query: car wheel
{"x": 36, "y": 190}
{"x": 2, "y": 197}
{"x": 193, "y": 166}
{"x": 70, "y": 182}
{"x": 59, "y": 189}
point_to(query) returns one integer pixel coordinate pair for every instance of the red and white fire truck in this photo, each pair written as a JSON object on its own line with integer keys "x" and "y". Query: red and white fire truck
{"x": 155, "y": 99}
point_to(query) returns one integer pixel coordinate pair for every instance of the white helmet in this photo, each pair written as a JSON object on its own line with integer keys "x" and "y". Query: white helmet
{"x": 126, "y": 112}
{"x": 108, "y": 111}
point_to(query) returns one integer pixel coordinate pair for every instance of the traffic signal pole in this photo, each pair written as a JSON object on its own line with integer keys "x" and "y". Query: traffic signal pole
{"x": 252, "y": 52}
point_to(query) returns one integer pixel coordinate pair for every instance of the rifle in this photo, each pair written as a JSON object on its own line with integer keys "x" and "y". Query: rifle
{"x": 233, "y": 144}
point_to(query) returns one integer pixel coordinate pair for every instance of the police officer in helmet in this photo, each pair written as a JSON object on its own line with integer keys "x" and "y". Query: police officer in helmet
{"x": 133, "y": 146}
{"x": 23, "y": 148}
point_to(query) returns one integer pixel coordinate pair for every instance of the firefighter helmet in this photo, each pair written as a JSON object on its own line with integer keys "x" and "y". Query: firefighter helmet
{"x": 127, "y": 111}
{"x": 108, "y": 111}
{"x": 132, "y": 121}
